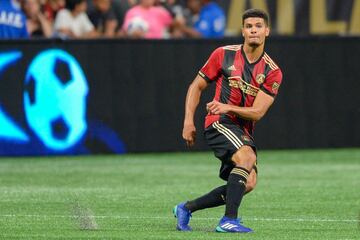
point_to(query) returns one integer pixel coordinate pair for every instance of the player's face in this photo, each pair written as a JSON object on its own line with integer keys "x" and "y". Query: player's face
{"x": 255, "y": 31}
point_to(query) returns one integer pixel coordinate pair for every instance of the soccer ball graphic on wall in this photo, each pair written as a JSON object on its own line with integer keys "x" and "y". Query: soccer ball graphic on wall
{"x": 55, "y": 99}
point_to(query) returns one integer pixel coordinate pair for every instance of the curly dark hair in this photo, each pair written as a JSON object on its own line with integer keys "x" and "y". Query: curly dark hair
{"x": 256, "y": 13}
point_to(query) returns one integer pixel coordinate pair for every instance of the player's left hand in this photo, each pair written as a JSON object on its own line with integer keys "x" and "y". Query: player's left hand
{"x": 214, "y": 107}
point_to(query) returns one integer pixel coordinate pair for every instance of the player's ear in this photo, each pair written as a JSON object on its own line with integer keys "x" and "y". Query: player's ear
{"x": 267, "y": 31}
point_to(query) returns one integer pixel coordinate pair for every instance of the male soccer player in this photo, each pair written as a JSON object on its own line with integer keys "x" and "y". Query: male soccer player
{"x": 247, "y": 80}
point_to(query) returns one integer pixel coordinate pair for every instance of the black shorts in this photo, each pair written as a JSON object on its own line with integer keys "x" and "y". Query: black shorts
{"x": 225, "y": 139}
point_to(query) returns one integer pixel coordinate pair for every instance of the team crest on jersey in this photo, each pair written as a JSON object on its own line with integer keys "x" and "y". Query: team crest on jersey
{"x": 275, "y": 86}
{"x": 260, "y": 78}
{"x": 245, "y": 138}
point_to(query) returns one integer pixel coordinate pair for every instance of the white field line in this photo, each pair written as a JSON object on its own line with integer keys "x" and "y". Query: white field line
{"x": 196, "y": 218}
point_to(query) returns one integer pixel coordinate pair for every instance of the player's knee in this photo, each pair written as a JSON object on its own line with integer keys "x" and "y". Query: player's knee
{"x": 245, "y": 157}
{"x": 251, "y": 158}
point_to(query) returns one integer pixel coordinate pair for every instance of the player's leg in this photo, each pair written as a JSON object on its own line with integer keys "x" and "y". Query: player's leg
{"x": 217, "y": 196}
{"x": 183, "y": 211}
{"x": 244, "y": 160}
{"x": 214, "y": 198}
{"x": 224, "y": 150}
{"x": 251, "y": 182}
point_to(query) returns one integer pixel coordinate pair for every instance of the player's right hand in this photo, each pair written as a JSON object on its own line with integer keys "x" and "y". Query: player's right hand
{"x": 189, "y": 134}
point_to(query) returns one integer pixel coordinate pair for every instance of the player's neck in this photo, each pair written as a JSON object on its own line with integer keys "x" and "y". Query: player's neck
{"x": 253, "y": 53}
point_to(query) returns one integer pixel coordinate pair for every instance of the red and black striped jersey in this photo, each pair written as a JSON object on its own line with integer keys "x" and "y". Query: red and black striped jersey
{"x": 238, "y": 81}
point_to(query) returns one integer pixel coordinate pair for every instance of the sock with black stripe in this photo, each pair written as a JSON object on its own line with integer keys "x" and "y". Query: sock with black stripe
{"x": 214, "y": 198}
{"x": 235, "y": 190}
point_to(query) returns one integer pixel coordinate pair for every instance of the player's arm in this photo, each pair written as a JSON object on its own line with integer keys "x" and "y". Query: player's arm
{"x": 192, "y": 101}
{"x": 259, "y": 108}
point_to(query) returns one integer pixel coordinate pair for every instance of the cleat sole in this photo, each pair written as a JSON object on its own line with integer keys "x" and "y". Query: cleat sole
{"x": 174, "y": 211}
{"x": 220, "y": 230}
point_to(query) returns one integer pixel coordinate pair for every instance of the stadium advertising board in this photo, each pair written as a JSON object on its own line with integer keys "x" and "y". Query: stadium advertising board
{"x": 49, "y": 115}
{"x": 116, "y": 96}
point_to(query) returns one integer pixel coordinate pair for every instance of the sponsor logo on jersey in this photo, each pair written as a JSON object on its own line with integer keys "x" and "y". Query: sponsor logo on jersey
{"x": 275, "y": 87}
{"x": 245, "y": 138}
{"x": 238, "y": 82}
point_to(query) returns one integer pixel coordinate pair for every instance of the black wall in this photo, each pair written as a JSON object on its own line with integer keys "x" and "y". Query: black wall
{"x": 138, "y": 88}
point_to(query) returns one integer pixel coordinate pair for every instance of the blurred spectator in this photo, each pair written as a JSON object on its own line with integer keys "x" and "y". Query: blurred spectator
{"x": 12, "y": 20}
{"x": 146, "y": 20}
{"x": 103, "y": 18}
{"x": 72, "y": 21}
{"x": 210, "y": 23}
{"x": 120, "y": 8}
{"x": 37, "y": 24}
{"x": 192, "y": 12}
{"x": 52, "y": 7}
{"x": 177, "y": 11}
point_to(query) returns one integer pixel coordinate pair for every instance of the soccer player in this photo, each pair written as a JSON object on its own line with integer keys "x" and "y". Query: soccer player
{"x": 247, "y": 81}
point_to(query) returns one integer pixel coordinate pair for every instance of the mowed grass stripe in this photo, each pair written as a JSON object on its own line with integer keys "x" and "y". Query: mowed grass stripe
{"x": 199, "y": 218}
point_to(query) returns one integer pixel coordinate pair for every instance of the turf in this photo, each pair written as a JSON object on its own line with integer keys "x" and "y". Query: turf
{"x": 300, "y": 195}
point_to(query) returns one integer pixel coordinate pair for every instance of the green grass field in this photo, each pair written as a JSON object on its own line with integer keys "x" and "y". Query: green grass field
{"x": 300, "y": 195}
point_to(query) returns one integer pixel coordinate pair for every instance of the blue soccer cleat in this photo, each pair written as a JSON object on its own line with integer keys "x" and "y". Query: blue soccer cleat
{"x": 230, "y": 225}
{"x": 183, "y": 216}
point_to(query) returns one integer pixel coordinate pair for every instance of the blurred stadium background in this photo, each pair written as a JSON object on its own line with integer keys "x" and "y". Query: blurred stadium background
{"x": 90, "y": 132}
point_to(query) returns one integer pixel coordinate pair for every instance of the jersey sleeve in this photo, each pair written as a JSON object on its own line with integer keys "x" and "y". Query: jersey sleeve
{"x": 272, "y": 82}
{"x": 212, "y": 68}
